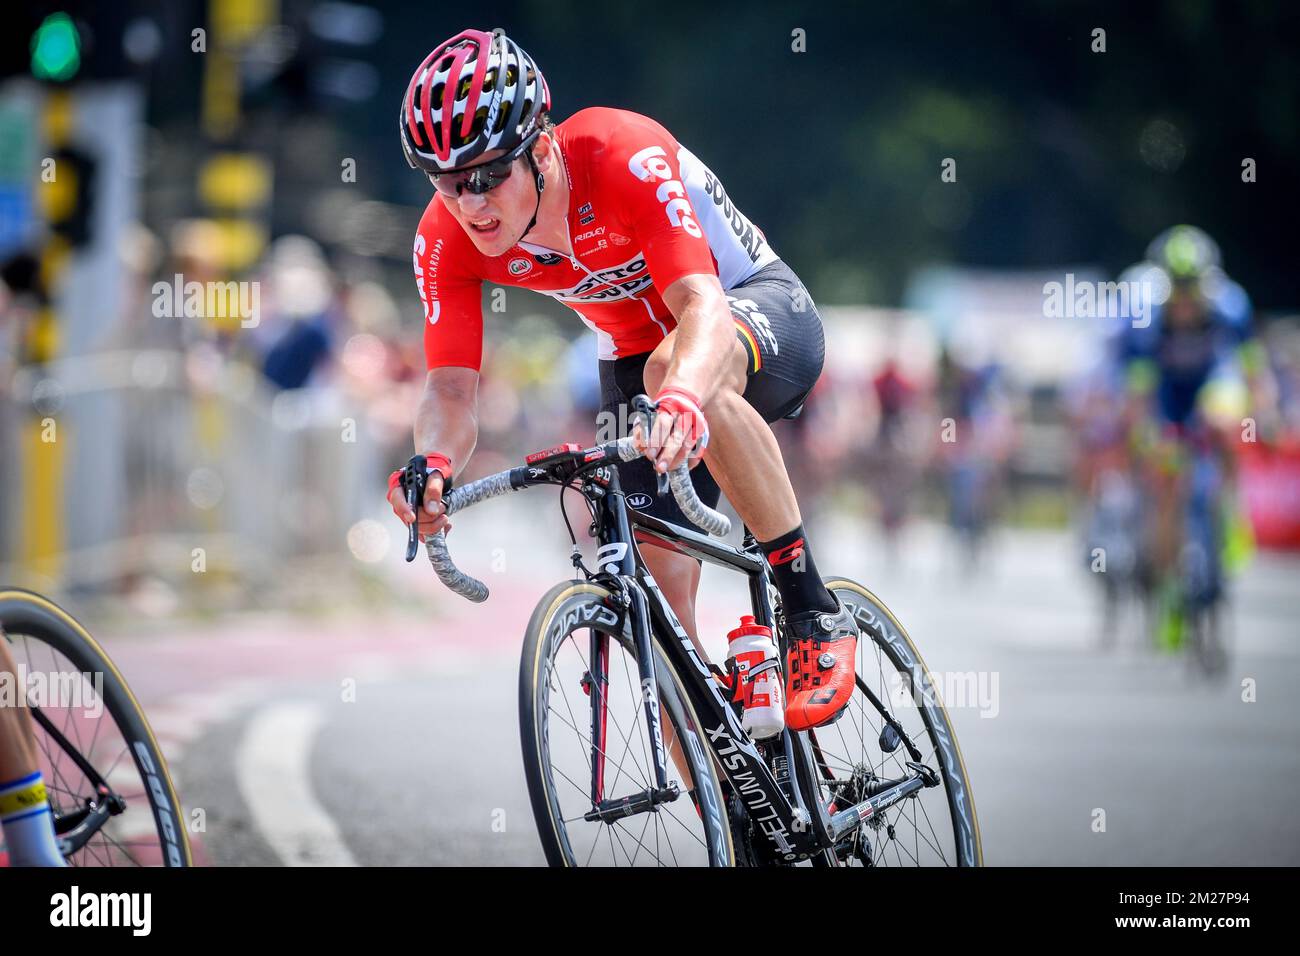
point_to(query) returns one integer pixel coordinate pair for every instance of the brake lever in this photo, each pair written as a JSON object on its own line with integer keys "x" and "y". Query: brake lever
{"x": 415, "y": 477}
{"x": 645, "y": 409}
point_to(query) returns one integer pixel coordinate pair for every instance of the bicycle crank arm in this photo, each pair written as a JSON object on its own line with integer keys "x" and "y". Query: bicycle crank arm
{"x": 844, "y": 822}
{"x": 607, "y": 811}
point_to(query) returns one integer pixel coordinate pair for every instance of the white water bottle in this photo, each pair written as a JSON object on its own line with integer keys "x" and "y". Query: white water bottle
{"x": 757, "y": 673}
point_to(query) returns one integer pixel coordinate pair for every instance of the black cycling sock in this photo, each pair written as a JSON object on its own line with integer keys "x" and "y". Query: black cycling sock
{"x": 796, "y": 575}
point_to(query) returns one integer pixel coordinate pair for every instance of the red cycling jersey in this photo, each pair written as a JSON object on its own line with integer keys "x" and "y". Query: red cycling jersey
{"x": 643, "y": 213}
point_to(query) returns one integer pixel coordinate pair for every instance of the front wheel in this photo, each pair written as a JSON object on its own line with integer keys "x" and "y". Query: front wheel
{"x": 1204, "y": 627}
{"x": 110, "y": 794}
{"x": 860, "y": 753}
{"x": 587, "y": 748}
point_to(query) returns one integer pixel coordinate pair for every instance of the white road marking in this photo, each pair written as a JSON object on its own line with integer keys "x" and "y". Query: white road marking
{"x": 272, "y": 767}
{"x": 176, "y": 723}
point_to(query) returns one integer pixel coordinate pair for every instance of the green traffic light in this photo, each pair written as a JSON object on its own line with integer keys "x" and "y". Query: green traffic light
{"x": 56, "y": 48}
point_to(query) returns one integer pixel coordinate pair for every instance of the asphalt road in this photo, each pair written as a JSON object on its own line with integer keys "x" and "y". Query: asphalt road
{"x": 386, "y": 738}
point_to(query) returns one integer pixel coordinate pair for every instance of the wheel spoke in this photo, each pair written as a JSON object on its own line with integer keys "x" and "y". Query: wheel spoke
{"x": 926, "y": 813}
{"x": 97, "y": 739}
{"x": 628, "y": 752}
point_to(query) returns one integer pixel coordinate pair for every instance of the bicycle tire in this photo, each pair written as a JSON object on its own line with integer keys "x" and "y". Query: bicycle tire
{"x": 553, "y": 620}
{"x": 1206, "y": 642}
{"x": 28, "y": 614}
{"x": 880, "y": 625}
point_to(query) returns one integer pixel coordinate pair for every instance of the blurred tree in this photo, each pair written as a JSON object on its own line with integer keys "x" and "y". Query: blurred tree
{"x": 1062, "y": 154}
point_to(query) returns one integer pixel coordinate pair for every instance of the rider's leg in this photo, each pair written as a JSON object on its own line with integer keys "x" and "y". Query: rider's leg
{"x": 1168, "y": 487}
{"x": 24, "y": 809}
{"x": 745, "y": 460}
{"x": 1168, "y": 520}
{"x": 17, "y": 744}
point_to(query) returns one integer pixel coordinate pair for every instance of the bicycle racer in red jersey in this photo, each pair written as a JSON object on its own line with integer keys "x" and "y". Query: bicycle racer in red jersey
{"x": 609, "y": 214}
{"x": 627, "y": 242}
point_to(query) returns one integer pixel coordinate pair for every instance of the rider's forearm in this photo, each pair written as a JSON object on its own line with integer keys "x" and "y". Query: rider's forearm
{"x": 703, "y": 344}
{"x": 447, "y": 418}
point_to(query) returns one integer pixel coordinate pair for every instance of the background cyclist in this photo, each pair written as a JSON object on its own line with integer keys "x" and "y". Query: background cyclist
{"x": 1188, "y": 374}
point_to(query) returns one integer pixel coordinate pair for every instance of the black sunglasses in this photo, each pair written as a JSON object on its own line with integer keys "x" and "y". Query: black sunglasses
{"x": 483, "y": 177}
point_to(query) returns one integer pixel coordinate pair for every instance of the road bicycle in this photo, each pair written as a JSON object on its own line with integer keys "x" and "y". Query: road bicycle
{"x": 109, "y": 789}
{"x": 635, "y": 754}
{"x": 1193, "y": 595}
{"x": 1203, "y": 587}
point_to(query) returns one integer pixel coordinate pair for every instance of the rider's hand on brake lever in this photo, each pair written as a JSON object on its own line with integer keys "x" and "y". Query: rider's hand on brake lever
{"x": 679, "y": 431}
{"x": 433, "y": 517}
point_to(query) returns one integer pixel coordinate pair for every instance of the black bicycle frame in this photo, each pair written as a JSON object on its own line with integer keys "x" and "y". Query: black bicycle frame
{"x": 794, "y": 826}
{"x": 780, "y": 803}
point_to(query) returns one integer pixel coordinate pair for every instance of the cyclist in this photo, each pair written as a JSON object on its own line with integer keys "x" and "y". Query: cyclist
{"x": 895, "y": 397}
{"x": 1188, "y": 362}
{"x": 25, "y": 813}
{"x": 609, "y": 214}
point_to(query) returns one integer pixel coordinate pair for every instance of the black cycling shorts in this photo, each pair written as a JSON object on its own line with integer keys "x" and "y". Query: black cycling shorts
{"x": 778, "y": 325}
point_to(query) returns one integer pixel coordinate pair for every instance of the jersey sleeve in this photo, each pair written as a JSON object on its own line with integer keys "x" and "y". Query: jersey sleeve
{"x": 646, "y": 179}
{"x": 451, "y": 293}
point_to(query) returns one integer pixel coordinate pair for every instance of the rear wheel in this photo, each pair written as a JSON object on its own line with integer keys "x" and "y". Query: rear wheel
{"x": 860, "y": 753}
{"x": 587, "y": 750}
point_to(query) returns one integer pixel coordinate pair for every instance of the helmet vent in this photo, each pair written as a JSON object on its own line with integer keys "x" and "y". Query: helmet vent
{"x": 476, "y": 127}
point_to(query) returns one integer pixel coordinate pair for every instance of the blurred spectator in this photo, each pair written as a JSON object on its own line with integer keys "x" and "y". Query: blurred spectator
{"x": 303, "y": 313}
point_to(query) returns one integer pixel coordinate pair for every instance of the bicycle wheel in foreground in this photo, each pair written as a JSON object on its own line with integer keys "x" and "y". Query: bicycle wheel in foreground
{"x": 587, "y": 751}
{"x": 860, "y": 753}
{"x": 113, "y": 800}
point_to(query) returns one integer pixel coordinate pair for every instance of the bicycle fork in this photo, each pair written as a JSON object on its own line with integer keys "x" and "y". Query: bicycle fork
{"x": 661, "y": 791}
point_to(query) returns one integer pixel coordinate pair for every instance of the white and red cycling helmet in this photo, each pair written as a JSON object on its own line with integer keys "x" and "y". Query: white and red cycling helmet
{"x": 474, "y": 93}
